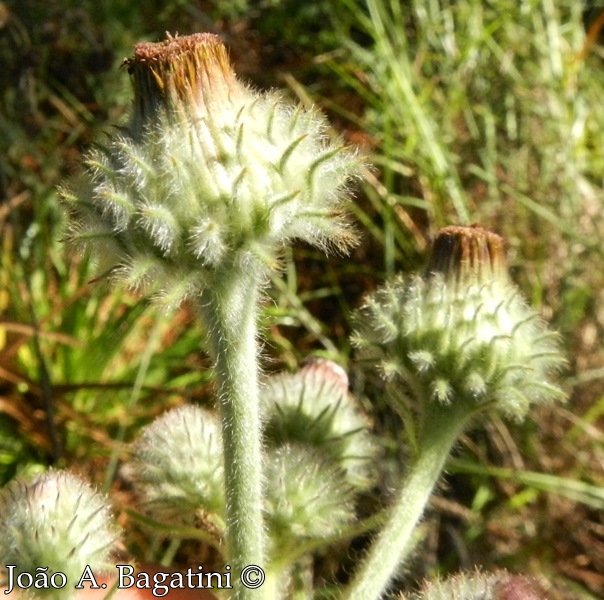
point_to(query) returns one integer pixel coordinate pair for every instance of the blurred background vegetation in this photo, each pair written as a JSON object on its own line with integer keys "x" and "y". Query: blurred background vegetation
{"x": 470, "y": 111}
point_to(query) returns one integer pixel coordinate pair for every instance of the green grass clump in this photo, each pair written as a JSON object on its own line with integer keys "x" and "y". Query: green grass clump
{"x": 483, "y": 112}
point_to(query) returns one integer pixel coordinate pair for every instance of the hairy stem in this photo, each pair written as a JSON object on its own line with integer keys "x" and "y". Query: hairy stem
{"x": 442, "y": 427}
{"x": 230, "y": 309}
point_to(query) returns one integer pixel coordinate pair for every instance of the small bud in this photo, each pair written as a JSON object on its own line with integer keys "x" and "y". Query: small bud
{"x": 307, "y": 497}
{"x": 498, "y": 585}
{"x": 58, "y": 521}
{"x": 517, "y": 587}
{"x": 313, "y": 407}
{"x": 462, "y": 332}
{"x": 177, "y": 467}
{"x": 209, "y": 175}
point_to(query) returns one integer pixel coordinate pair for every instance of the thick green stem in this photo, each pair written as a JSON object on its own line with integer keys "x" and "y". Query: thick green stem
{"x": 442, "y": 427}
{"x": 230, "y": 308}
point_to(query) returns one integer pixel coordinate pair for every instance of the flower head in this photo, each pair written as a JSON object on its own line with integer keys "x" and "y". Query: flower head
{"x": 307, "y": 497}
{"x": 58, "y": 521}
{"x": 177, "y": 466}
{"x": 313, "y": 407}
{"x": 208, "y": 175}
{"x": 461, "y": 332}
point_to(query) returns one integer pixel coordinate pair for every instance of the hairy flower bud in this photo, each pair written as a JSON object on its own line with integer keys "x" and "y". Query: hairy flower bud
{"x": 57, "y": 521}
{"x": 499, "y": 585}
{"x": 462, "y": 332}
{"x": 177, "y": 467}
{"x": 307, "y": 497}
{"x": 313, "y": 407}
{"x": 208, "y": 176}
